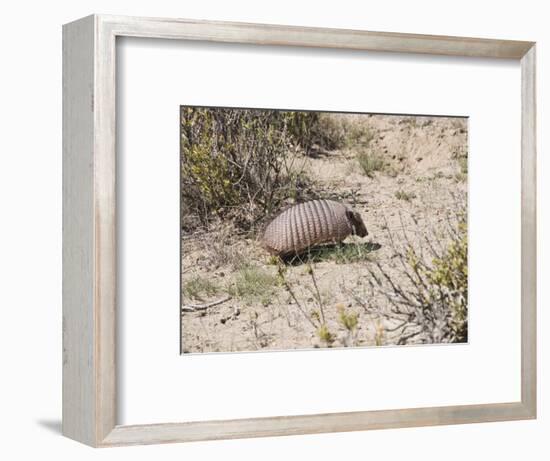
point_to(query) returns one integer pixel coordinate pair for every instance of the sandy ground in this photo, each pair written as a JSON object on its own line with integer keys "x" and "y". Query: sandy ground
{"x": 420, "y": 185}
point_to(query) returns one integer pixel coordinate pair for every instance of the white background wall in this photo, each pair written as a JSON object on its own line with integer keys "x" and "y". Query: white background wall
{"x": 30, "y": 227}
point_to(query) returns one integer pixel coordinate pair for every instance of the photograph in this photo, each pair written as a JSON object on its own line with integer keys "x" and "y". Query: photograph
{"x": 315, "y": 230}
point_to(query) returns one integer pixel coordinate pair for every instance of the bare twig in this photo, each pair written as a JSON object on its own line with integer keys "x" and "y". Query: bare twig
{"x": 202, "y": 307}
{"x": 291, "y": 292}
{"x": 319, "y": 300}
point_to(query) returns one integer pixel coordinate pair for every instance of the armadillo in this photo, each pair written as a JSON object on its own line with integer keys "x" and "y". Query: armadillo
{"x": 311, "y": 223}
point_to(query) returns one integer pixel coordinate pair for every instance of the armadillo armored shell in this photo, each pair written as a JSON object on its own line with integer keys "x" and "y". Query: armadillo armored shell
{"x": 306, "y": 225}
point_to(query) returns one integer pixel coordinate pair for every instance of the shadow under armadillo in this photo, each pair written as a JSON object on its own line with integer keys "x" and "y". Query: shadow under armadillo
{"x": 339, "y": 252}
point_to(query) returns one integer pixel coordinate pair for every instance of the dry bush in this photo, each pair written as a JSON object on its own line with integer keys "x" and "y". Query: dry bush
{"x": 432, "y": 305}
{"x": 370, "y": 162}
{"x": 337, "y": 131}
{"x": 240, "y": 164}
{"x": 328, "y": 131}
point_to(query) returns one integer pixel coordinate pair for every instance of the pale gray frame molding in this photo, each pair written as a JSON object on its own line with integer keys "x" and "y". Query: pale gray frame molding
{"x": 89, "y": 233}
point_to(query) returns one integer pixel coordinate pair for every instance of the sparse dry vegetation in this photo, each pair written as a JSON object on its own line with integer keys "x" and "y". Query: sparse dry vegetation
{"x": 402, "y": 195}
{"x": 199, "y": 288}
{"x": 406, "y": 283}
{"x": 461, "y": 156}
{"x": 253, "y": 283}
{"x": 370, "y": 162}
{"x": 428, "y": 294}
{"x": 239, "y": 165}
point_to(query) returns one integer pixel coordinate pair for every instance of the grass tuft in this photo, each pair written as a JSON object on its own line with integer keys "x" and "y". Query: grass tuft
{"x": 462, "y": 175}
{"x": 253, "y": 283}
{"x": 199, "y": 288}
{"x": 360, "y": 136}
{"x": 348, "y": 320}
{"x": 406, "y": 196}
{"x": 370, "y": 163}
{"x": 325, "y": 335}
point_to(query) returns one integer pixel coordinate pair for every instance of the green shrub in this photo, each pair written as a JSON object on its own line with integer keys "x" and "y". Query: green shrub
{"x": 448, "y": 277}
{"x": 442, "y": 288}
{"x": 239, "y": 164}
{"x": 433, "y": 303}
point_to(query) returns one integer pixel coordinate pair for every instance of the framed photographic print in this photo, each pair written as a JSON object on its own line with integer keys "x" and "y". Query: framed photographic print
{"x": 301, "y": 219}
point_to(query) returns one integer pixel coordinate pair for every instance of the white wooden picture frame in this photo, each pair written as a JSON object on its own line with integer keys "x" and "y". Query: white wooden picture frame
{"x": 89, "y": 232}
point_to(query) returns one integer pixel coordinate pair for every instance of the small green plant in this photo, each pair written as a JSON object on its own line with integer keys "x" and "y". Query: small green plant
{"x": 462, "y": 175}
{"x": 348, "y": 320}
{"x": 461, "y": 156}
{"x": 325, "y": 335}
{"x": 253, "y": 283}
{"x": 369, "y": 162}
{"x": 315, "y": 316}
{"x": 463, "y": 163}
{"x": 199, "y": 288}
{"x": 406, "y": 196}
{"x": 273, "y": 260}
